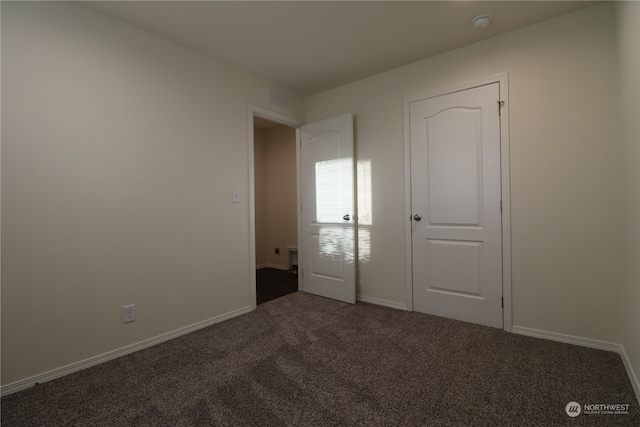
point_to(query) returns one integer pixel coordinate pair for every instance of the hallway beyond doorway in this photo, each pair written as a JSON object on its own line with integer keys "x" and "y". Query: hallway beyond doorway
{"x": 272, "y": 283}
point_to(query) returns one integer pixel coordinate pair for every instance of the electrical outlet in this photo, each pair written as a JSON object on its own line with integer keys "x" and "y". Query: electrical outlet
{"x": 277, "y": 251}
{"x": 129, "y": 313}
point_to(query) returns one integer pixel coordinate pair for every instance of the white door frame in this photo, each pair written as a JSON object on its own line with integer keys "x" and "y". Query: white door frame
{"x": 502, "y": 80}
{"x": 288, "y": 121}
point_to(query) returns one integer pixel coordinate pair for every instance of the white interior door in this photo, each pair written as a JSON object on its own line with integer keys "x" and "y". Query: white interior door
{"x": 456, "y": 205}
{"x": 328, "y": 208}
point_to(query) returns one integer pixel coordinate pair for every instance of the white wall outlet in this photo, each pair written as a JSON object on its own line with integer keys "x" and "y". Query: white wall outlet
{"x": 129, "y": 313}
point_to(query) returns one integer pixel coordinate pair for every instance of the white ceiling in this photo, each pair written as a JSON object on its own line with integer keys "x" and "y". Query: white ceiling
{"x": 312, "y": 46}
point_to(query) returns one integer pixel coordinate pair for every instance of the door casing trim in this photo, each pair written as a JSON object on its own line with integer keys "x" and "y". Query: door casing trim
{"x": 288, "y": 121}
{"x": 503, "y": 81}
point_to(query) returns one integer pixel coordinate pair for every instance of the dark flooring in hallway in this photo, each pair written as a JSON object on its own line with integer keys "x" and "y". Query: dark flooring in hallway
{"x": 272, "y": 283}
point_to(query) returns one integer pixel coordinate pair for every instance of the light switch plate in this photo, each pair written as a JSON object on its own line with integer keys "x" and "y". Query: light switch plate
{"x": 235, "y": 196}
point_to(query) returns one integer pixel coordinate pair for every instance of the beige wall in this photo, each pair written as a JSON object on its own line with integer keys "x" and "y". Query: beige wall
{"x": 120, "y": 151}
{"x": 628, "y": 26}
{"x": 565, "y": 167}
{"x": 276, "y": 220}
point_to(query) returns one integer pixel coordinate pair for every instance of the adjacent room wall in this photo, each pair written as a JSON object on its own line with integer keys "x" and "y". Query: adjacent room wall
{"x": 281, "y": 187}
{"x": 628, "y": 33}
{"x": 120, "y": 151}
{"x": 565, "y": 167}
{"x": 276, "y": 196}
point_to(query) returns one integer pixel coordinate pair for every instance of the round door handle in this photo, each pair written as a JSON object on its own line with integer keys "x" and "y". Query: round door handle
{"x": 417, "y": 217}
{"x": 346, "y": 217}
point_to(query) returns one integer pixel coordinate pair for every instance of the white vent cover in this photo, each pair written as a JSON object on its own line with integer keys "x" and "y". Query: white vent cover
{"x": 279, "y": 99}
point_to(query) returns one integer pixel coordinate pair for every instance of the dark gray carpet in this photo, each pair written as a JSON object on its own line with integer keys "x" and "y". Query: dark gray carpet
{"x": 303, "y": 360}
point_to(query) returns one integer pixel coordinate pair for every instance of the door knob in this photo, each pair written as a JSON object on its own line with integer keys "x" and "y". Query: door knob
{"x": 417, "y": 217}
{"x": 346, "y": 217}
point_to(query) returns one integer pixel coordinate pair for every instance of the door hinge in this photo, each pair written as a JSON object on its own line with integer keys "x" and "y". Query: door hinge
{"x": 500, "y": 206}
{"x": 502, "y": 302}
{"x": 500, "y": 105}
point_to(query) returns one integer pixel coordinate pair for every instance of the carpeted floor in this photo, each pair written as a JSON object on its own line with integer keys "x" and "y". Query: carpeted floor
{"x": 303, "y": 360}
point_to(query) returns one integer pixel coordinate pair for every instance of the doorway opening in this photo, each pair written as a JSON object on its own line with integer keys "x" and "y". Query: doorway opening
{"x": 275, "y": 206}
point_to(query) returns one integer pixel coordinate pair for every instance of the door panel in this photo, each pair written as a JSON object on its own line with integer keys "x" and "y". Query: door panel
{"x": 328, "y": 208}
{"x": 456, "y": 191}
{"x": 453, "y": 176}
{"x": 445, "y": 258}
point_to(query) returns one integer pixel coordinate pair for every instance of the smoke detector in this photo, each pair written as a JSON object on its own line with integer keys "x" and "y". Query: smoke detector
{"x": 481, "y": 21}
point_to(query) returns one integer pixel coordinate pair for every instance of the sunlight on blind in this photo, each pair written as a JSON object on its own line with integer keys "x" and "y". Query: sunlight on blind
{"x": 334, "y": 191}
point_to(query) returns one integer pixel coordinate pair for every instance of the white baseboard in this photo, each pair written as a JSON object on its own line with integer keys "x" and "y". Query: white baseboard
{"x": 385, "y": 303}
{"x": 276, "y": 266}
{"x": 632, "y": 375}
{"x": 114, "y": 354}
{"x": 586, "y": 342}
{"x": 569, "y": 339}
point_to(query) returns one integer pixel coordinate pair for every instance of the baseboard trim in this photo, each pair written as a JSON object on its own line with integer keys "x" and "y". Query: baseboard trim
{"x": 385, "y": 303}
{"x": 569, "y": 339}
{"x": 586, "y": 342}
{"x": 632, "y": 375}
{"x": 114, "y": 354}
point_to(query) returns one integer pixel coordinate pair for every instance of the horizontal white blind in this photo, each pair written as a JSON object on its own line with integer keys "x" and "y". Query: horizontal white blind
{"x": 334, "y": 190}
